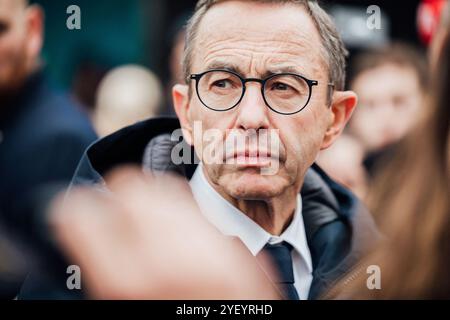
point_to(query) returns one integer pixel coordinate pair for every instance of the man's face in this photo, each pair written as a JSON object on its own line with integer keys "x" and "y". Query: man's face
{"x": 13, "y": 43}
{"x": 390, "y": 99}
{"x": 257, "y": 39}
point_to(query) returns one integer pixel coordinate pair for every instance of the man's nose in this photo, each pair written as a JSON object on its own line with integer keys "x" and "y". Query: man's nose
{"x": 253, "y": 112}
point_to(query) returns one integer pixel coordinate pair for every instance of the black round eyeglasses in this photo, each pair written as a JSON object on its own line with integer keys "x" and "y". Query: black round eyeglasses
{"x": 283, "y": 93}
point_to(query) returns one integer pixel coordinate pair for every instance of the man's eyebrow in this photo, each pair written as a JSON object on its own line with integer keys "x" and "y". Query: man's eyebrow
{"x": 224, "y": 66}
{"x": 269, "y": 72}
{"x": 283, "y": 69}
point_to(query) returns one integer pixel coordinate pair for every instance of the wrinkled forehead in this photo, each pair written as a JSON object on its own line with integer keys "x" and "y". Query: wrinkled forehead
{"x": 266, "y": 35}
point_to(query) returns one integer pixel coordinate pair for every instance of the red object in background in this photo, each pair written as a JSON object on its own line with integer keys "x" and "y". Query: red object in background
{"x": 428, "y": 17}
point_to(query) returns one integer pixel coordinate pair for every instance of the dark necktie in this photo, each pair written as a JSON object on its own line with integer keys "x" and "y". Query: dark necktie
{"x": 280, "y": 256}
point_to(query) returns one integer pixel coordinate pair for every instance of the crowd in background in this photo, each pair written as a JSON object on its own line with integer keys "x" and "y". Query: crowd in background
{"x": 394, "y": 153}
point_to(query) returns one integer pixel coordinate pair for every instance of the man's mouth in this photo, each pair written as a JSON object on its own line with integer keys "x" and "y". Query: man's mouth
{"x": 251, "y": 158}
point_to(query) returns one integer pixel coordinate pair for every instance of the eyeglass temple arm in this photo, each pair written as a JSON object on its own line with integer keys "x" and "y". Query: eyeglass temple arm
{"x": 330, "y": 92}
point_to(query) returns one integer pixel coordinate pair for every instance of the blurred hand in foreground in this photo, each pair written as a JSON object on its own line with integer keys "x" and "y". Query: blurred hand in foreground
{"x": 148, "y": 240}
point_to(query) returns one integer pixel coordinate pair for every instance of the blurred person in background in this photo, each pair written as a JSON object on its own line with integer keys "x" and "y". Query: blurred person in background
{"x": 12, "y": 265}
{"x": 43, "y": 133}
{"x": 126, "y": 95}
{"x": 343, "y": 161}
{"x": 411, "y": 202}
{"x": 242, "y": 71}
{"x": 390, "y": 83}
{"x": 85, "y": 81}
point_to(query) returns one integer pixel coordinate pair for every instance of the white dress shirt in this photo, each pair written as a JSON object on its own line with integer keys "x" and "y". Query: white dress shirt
{"x": 232, "y": 222}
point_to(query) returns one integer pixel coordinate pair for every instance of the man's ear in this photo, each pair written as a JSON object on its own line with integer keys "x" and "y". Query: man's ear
{"x": 35, "y": 31}
{"x": 180, "y": 95}
{"x": 342, "y": 106}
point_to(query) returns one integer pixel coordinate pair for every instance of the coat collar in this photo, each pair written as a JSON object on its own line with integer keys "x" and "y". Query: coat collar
{"x": 339, "y": 229}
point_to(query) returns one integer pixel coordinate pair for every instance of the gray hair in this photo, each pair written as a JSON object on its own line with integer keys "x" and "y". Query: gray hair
{"x": 333, "y": 48}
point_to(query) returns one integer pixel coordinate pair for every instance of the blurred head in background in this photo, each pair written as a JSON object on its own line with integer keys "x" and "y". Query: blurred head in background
{"x": 343, "y": 161}
{"x": 126, "y": 95}
{"x": 21, "y": 38}
{"x": 390, "y": 83}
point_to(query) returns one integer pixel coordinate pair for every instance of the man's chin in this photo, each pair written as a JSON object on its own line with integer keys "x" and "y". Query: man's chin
{"x": 254, "y": 186}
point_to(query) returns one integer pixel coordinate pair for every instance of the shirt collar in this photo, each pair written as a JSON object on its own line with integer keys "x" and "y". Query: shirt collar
{"x": 232, "y": 222}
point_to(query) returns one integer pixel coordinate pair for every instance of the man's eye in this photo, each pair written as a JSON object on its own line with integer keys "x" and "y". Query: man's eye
{"x": 3, "y": 28}
{"x": 223, "y": 84}
{"x": 280, "y": 86}
{"x": 399, "y": 101}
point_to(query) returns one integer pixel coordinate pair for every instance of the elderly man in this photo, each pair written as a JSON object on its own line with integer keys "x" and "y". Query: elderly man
{"x": 252, "y": 69}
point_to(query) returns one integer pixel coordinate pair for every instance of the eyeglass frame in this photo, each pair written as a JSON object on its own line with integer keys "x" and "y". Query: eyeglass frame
{"x": 311, "y": 83}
